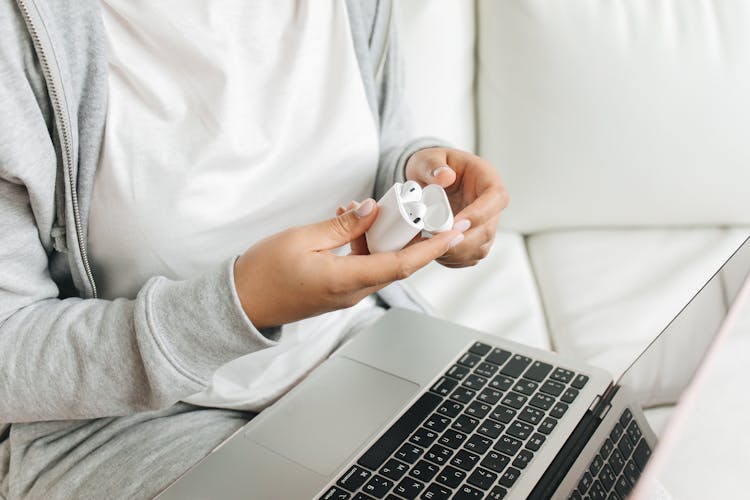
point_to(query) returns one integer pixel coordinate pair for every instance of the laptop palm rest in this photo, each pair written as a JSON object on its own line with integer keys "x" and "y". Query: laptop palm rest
{"x": 319, "y": 427}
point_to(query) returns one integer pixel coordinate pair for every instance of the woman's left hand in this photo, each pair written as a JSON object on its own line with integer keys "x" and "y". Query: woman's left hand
{"x": 476, "y": 194}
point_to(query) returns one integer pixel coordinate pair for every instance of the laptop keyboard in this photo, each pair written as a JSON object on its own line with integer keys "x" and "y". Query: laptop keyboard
{"x": 620, "y": 461}
{"x": 470, "y": 436}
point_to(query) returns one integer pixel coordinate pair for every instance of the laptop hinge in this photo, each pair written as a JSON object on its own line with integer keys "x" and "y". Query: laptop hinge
{"x": 566, "y": 457}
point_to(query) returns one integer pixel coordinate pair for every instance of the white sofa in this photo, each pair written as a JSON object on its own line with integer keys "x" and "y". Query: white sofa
{"x": 622, "y": 131}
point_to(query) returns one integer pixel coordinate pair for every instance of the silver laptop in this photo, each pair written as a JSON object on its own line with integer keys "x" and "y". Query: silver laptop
{"x": 416, "y": 407}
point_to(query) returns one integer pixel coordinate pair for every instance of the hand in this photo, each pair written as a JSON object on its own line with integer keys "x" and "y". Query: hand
{"x": 476, "y": 194}
{"x": 293, "y": 275}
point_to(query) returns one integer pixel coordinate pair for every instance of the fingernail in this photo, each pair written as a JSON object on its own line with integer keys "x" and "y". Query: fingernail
{"x": 463, "y": 225}
{"x": 341, "y": 209}
{"x": 365, "y": 208}
{"x": 437, "y": 171}
{"x": 455, "y": 241}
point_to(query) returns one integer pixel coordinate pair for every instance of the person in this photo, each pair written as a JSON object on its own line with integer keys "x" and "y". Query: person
{"x": 168, "y": 172}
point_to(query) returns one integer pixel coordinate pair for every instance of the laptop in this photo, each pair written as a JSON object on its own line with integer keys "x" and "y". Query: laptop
{"x": 417, "y": 407}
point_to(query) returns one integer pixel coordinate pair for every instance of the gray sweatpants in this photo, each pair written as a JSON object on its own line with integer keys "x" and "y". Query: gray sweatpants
{"x": 124, "y": 457}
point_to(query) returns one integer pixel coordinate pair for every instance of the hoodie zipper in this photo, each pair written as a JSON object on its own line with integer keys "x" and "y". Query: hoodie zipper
{"x": 62, "y": 121}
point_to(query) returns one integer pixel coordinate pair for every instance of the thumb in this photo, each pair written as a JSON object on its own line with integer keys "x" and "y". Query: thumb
{"x": 432, "y": 171}
{"x": 340, "y": 230}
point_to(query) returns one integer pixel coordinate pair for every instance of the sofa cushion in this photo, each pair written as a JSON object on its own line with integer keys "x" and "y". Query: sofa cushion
{"x": 607, "y": 294}
{"x": 603, "y": 114}
{"x": 496, "y": 296}
{"x": 437, "y": 40}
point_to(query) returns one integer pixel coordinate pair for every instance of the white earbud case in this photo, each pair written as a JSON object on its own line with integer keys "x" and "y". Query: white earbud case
{"x": 400, "y": 217}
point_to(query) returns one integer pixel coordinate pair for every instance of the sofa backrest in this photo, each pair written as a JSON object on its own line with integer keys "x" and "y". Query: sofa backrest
{"x": 597, "y": 113}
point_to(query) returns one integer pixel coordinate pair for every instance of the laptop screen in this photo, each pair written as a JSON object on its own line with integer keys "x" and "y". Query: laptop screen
{"x": 665, "y": 368}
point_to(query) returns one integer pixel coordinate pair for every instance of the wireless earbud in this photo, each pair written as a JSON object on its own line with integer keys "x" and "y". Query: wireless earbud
{"x": 404, "y": 211}
{"x": 411, "y": 191}
{"x": 416, "y": 210}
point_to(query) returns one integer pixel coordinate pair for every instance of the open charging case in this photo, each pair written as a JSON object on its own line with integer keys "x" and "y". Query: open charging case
{"x": 395, "y": 226}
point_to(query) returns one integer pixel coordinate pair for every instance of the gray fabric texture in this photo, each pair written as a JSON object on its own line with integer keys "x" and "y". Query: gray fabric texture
{"x": 92, "y": 386}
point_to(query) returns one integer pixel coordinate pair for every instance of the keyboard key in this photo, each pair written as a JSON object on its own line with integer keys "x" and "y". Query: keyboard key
{"x": 374, "y": 457}
{"x": 509, "y": 477}
{"x": 354, "y": 478}
{"x": 515, "y": 400}
{"x": 520, "y": 430}
{"x": 424, "y": 471}
{"x": 596, "y": 465}
{"x": 452, "y": 439}
{"x": 444, "y": 386}
{"x": 475, "y": 382}
{"x": 378, "y": 486}
{"x": 508, "y": 445}
{"x": 393, "y": 469}
{"x": 516, "y": 366}
{"x": 497, "y": 493}
{"x": 457, "y": 372}
{"x": 522, "y": 459}
{"x": 438, "y": 454}
{"x": 575, "y": 496}
{"x": 477, "y": 409}
{"x": 495, "y": 461}
{"x": 467, "y": 492}
{"x": 525, "y": 387}
{"x": 450, "y": 408}
{"x": 547, "y": 425}
{"x": 569, "y": 395}
{"x": 597, "y": 492}
{"x": 485, "y": 369}
{"x": 580, "y": 381}
{"x": 607, "y": 477}
{"x": 490, "y": 428}
{"x": 607, "y": 448}
{"x": 478, "y": 444}
{"x": 502, "y": 383}
{"x": 531, "y": 415}
{"x": 626, "y": 417}
{"x": 503, "y": 414}
{"x": 498, "y": 356}
{"x": 409, "y": 488}
{"x": 622, "y": 487}
{"x": 463, "y": 395}
{"x": 465, "y": 460}
{"x": 437, "y": 422}
{"x": 423, "y": 437}
{"x": 552, "y": 387}
{"x": 562, "y": 375}
{"x": 631, "y": 472}
{"x": 542, "y": 401}
{"x": 480, "y": 349}
{"x": 536, "y": 442}
{"x": 625, "y": 446}
{"x": 634, "y": 432}
{"x": 585, "y": 483}
{"x": 641, "y": 454}
{"x": 436, "y": 492}
{"x": 482, "y": 478}
{"x": 470, "y": 360}
{"x": 336, "y": 493}
{"x": 490, "y": 396}
{"x": 537, "y": 371}
{"x": 558, "y": 410}
{"x": 450, "y": 476}
{"x": 409, "y": 453}
{"x": 617, "y": 431}
{"x": 616, "y": 461}
{"x": 465, "y": 423}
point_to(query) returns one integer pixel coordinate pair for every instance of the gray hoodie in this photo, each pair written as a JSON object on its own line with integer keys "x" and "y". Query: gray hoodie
{"x": 89, "y": 385}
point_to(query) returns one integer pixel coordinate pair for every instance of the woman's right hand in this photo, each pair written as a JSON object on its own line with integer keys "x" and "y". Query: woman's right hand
{"x": 293, "y": 274}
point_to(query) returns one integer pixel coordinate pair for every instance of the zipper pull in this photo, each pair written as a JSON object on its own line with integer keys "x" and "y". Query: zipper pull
{"x": 58, "y": 239}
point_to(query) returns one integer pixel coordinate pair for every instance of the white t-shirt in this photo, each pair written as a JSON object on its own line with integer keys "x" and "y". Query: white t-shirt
{"x": 228, "y": 122}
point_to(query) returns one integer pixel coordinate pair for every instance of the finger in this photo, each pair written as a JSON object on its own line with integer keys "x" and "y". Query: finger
{"x": 475, "y": 247}
{"x": 383, "y": 268}
{"x": 359, "y": 246}
{"x": 340, "y": 230}
{"x": 488, "y": 204}
{"x": 431, "y": 169}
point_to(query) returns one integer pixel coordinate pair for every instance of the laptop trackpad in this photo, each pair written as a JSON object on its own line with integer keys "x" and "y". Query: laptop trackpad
{"x": 322, "y": 422}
